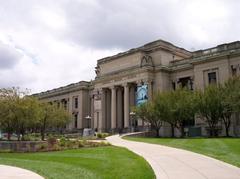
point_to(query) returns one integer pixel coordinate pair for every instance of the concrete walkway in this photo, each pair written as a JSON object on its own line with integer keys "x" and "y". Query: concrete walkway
{"x": 171, "y": 163}
{"x": 8, "y": 172}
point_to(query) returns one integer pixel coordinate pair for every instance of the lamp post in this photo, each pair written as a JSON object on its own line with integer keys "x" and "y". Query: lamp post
{"x": 88, "y": 120}
{"x": 132, "y": 114}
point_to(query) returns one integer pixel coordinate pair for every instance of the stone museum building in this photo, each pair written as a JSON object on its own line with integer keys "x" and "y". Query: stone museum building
{"x": 132, "y": 77}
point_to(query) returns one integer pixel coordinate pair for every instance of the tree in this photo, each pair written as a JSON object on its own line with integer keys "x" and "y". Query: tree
{"x": 6, "y": 121}
{"x": 163, "y": 109}
{"x": 176, "y": 108}
{"x": 9, "y": 98}
{"x": 147, "y": 112}
{"x": 21, "y": 113}
{"x": 62, "y": 118}
{"x": 230, "y": 101}
{"x": 182, "y": 106}
{"x": 51, "y": 116}
{"x": 210, "y": 107}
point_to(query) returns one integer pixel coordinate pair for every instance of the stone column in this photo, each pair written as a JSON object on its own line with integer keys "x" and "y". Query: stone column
{"x": 108, "y": 110}
{"x": 92, "y": 110}
{"x": 113, "y": 108}
{"x": 103, "y": 105}
{"x": 132, "y": 95}
{"x": 126, "y": 106}
{"x": 119, "y": 108}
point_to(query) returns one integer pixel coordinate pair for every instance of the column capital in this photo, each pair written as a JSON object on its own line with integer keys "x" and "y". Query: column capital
{"x": 119, "y": 88}
{"x": 126, "y": 84}
{"x": 112, "y": 87}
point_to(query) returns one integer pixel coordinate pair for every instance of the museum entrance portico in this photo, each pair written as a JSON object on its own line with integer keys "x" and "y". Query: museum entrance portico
{"x": 116, "y": 103}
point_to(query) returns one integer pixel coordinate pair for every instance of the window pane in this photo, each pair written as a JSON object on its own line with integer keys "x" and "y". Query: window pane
{"x": 212, "y": 78}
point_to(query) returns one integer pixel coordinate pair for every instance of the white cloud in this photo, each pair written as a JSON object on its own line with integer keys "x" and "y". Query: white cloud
{"x": 58, "y": 42}
{"x": 9, "y": 56}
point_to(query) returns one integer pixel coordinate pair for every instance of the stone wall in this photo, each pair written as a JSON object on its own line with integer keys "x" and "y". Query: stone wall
{"x": 20, "y": 146}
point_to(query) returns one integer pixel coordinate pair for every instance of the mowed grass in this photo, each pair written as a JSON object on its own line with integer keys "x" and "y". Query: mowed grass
{"x": 225, "y": 149}
{"x": 90, "y": 163}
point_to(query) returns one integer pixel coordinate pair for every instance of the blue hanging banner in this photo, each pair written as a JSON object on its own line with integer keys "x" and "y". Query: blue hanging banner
{"x": 141, "y": 94}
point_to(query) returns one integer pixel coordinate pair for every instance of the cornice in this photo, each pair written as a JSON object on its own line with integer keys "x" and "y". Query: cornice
{"x": 130, "y": 72}
{"x": 83, "y": 85}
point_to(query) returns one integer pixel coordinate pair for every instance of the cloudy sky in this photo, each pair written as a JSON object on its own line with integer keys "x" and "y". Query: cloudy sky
{"x": 49, "y": 43}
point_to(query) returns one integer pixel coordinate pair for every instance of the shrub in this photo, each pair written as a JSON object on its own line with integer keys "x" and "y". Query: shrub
{"x": 56, "y": 147}
{"x": 51, "y": 140}
{"x": 31, "y": 137}
{"x": 63, "y": 141}
{"x": 99, "y": 135}
{"x": 26, "y": 138}
{"x": 105, "y": 135}
{"x": 80, "y": 144}
{"x": 104, "y": 143}
{"x": 42, "y": 147}
{"x": 102, "y": 135}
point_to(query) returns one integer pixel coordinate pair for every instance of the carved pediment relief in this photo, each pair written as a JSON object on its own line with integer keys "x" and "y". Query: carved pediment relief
{"x": 146, "y": 60}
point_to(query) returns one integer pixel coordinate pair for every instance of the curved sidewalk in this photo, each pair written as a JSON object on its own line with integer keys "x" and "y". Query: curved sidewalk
{"x": 9, "y": 172}
{"x": 172, "y": 163}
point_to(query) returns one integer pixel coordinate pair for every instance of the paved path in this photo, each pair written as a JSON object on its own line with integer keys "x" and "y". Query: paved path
{"x": 171, "y": 163}
{"x": 8, "y": 172}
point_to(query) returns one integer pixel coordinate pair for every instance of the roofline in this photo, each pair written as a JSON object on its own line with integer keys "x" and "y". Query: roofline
{"x": 145, "y": 48}
{"x": 72, "y": 86}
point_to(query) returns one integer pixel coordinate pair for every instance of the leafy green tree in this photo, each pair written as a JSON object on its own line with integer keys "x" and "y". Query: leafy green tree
{"x": 176, "y": 108}
{"x": 6, "y": 122}
{"x": 21, "y": 113}
{"x": 62, "y": 118}
{"x": 26, "y": 115}
{"x": 210, "y": 107}
{"x": 182, "y": 106}
{"x": 51, "y": 116}
{"x": 230, "y": 101}
{"x": 147, "y": 112}
{"x": 9, "y": 99}
{"x": 163, "y": 109}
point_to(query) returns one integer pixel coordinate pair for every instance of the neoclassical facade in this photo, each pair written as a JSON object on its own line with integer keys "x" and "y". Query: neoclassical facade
{"x": 157, "y": 66}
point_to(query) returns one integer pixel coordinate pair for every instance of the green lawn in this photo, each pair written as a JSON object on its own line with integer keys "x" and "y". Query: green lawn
{"x": 100, "y": 162}
{"x": 225, "y": 149}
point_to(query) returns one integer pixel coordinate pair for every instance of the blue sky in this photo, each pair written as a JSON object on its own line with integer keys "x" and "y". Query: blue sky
{"x": 49, "y": 43}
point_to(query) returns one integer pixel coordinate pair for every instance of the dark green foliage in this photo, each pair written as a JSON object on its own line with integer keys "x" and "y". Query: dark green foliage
{"x": 22, "y": 114}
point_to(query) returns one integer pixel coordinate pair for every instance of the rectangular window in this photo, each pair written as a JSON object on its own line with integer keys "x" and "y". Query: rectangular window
{"x": 76, "y": 102}
{"x": 65, "y": 105}
{"x": 186, "y": 82}
{"x": 212, "y": 78}
{"x": 75, "y": 120}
